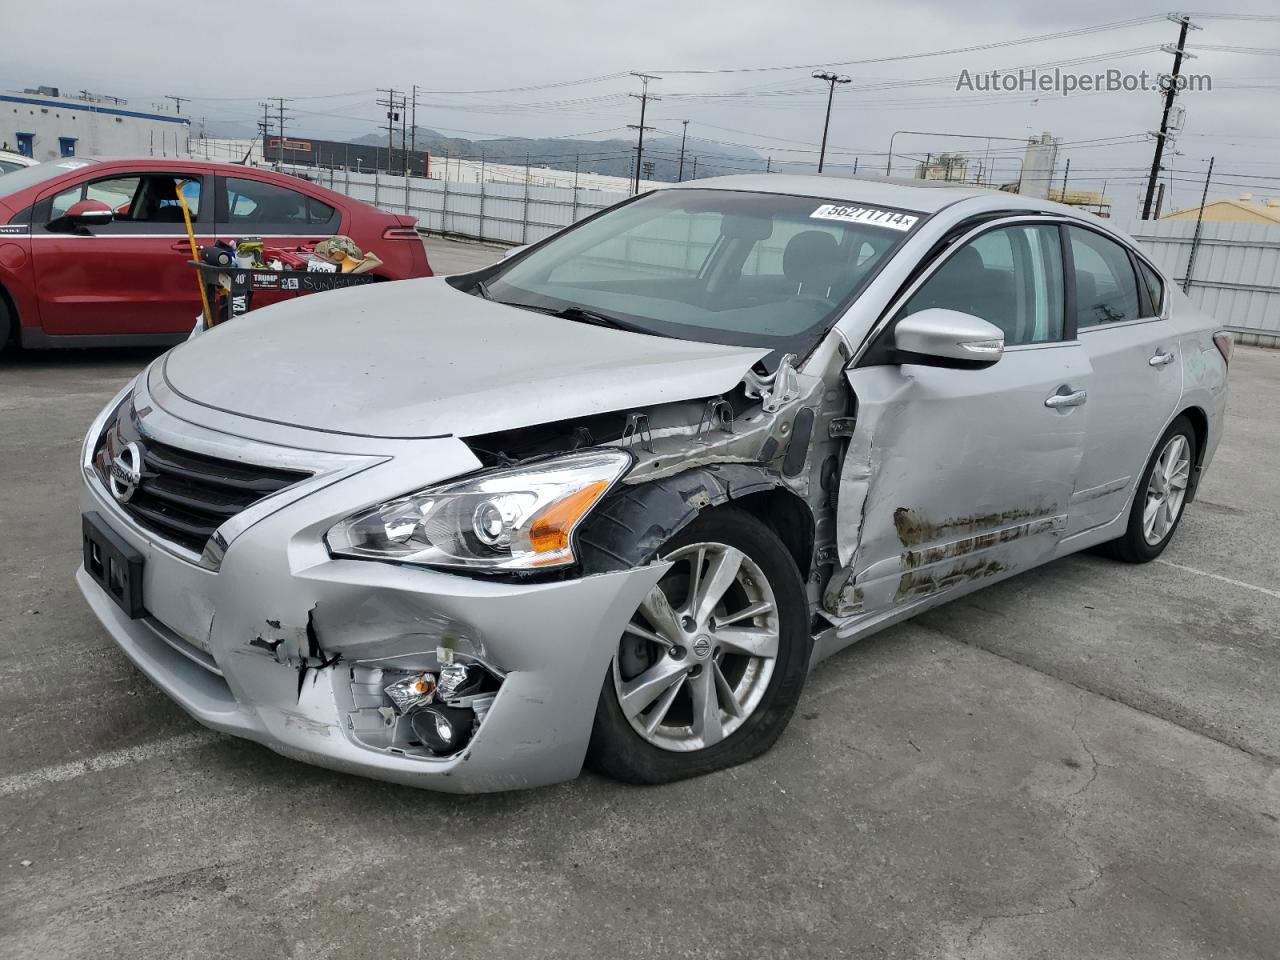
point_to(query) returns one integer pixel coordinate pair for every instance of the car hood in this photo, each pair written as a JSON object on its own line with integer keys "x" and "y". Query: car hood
{"x": 418, "y": 358}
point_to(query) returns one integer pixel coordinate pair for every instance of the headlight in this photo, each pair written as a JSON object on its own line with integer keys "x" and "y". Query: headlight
{"x": 515, "y": 518}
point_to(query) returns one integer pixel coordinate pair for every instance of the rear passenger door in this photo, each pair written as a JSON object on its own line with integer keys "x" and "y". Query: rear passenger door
{"x": 1137, "y": 371}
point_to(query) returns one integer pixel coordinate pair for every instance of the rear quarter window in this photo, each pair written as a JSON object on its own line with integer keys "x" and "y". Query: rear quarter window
{"x": 1155, "y": 287}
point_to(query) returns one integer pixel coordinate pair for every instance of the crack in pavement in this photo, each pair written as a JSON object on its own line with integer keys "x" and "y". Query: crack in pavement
{"x": 1096, "y": 870}
{"x": 1266, "y": 758}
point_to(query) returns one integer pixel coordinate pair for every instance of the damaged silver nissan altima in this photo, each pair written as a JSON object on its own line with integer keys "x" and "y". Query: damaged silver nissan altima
{"x": 609, "y": 499}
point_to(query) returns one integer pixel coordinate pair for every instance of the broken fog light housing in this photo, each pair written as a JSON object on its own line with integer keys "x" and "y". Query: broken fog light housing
{"x": 443, "y": 729}
{"x": 514, "y": 518}
{"x": 412, "y": 691}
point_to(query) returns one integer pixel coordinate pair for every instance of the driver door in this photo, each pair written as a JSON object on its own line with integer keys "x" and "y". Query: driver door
{"x": 955, "y": 477}
{"x": 129, "y": 276}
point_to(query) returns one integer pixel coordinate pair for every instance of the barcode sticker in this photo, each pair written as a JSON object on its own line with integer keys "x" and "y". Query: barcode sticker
{"x": 871, "y": 215}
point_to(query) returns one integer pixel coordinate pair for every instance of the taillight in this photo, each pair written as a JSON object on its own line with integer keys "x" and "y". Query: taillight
{"x": 400, "y": 233}
{"x": 1222, "y": 340}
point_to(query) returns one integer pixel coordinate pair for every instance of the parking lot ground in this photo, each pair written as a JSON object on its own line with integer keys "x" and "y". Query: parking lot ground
{"x": 1081, "y": 762}
{"x": 459, "y": 256}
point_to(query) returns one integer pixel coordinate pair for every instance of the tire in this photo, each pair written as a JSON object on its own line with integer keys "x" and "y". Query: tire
{"x": 1139, "y": 543}
{"x": 705, "y": 659}
{"x": 6, "y": 324}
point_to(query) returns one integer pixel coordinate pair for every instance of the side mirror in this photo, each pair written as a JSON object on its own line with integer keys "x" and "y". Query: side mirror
{"x": 87, "y": 213}
{"x": 515, "y": 250}
{"x": 947, "y": 338}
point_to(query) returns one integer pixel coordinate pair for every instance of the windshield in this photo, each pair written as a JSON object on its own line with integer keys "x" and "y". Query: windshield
{"x": 733, "y": 267}
{"x": 19, "y": 180}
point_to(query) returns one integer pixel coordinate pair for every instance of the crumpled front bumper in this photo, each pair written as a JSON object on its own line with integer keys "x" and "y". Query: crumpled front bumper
{"x": 215, "y": 641}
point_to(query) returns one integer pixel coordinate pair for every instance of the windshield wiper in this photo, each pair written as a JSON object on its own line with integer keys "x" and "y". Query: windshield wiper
{"x": 575, "y": 313}
{"x": 583, "y": 315}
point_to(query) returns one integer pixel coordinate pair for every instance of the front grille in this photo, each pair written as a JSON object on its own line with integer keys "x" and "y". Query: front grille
{"x": 183, "y": 496}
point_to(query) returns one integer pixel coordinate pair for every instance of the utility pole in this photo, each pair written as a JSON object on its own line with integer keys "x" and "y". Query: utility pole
{"x": 1065, "y": 174}
{"x": 644, "y": 97}
{"x": 178, "y": 102}
{"x": 831, "y": 79}
{"x": 695, "y": 169}
{"x": 1195, "y": 238}
{"x": 404, "y": 141}
{"x": 1171, "y": 91}
{"x": 413, "y": 136}
{"x": 683, "y": 134}
{"x": 266, "y": 126}
{"x": 393, "y": 103}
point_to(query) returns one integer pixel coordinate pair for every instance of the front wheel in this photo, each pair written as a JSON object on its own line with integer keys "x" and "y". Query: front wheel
{"x": 710, "y": 668}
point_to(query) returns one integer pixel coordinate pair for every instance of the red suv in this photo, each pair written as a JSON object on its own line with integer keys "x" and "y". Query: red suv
{"x": 93, "y": 252}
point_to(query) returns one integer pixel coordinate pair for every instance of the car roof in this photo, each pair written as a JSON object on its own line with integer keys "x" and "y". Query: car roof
{"x": 161, "y": 164}
{"x": 923, "y": 196}
{"x": 919, "y": 196}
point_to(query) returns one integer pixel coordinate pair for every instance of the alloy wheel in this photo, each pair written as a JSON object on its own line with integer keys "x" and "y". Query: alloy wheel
{"x": 1166, "y": 489}
{"x": 696, "y": 659}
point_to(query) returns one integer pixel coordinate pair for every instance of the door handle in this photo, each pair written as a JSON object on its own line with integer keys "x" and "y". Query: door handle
{"x": 1160, "y": 359}
{"x": 1066, "y": 399}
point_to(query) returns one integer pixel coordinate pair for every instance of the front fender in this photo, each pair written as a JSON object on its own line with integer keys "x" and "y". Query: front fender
{"x": 632, "y": 523}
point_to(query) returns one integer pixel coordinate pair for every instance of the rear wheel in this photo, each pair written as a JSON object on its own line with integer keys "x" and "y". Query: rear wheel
{"x": 710, "y": 668}
{"x": 1161, "y": 496}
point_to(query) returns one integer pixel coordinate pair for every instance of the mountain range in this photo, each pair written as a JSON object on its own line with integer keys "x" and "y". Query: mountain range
{"x": 614, "y": 157}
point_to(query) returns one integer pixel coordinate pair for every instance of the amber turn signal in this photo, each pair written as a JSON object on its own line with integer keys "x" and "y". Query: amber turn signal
{"x": 552, "y": 528}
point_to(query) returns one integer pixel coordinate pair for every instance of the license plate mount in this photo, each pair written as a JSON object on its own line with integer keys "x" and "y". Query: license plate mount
{"x": 113, "y": 564}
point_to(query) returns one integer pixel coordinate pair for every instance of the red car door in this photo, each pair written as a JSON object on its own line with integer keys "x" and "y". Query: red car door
{"x": 126, "y": 277}
{"x": 283, "y": 217}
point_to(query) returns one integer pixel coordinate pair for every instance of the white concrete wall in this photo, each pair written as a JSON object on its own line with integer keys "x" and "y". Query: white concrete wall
{"x": 501, "y": 212}
{"x": 101, "y": 128}
{"x": 1236, "y": 274}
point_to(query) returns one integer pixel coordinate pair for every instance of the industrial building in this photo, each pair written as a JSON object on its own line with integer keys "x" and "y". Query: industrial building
{"x": 1244, "y": 210}
{"x": 43, "y": 124}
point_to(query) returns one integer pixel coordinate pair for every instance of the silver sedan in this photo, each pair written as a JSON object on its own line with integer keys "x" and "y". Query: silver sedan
{"x": 610, "y": 499}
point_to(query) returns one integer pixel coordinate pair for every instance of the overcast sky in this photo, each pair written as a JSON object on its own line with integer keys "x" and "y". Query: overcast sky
{"x": 332, "y": 56}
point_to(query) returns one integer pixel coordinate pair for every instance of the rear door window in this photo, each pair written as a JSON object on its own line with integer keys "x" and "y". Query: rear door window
{"x": 259, "y": 207}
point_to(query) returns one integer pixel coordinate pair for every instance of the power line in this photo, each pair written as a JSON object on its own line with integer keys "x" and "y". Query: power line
{"x": 1058, "y": 35}
{"x": 896, "y": 84}
{"x": 1258, "y": 51}
{"x": 537, "y": 86}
